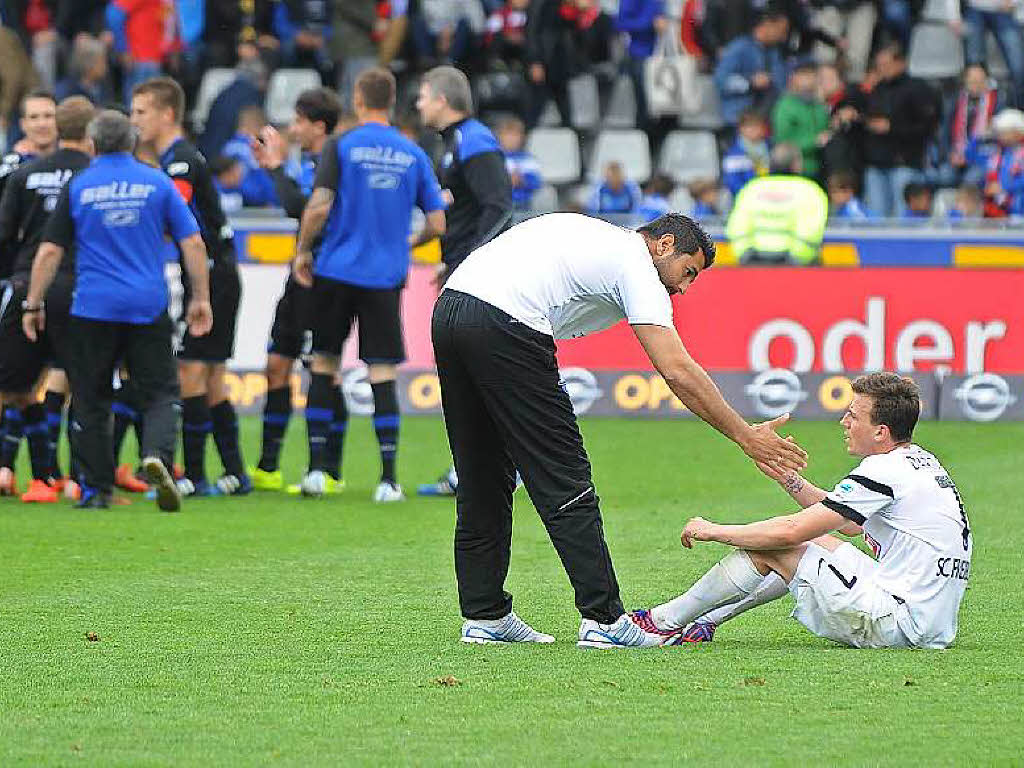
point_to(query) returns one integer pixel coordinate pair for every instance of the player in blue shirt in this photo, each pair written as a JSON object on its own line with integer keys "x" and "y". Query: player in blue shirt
{"x": 367, "y": 184}
{"x": 114, "y": 214}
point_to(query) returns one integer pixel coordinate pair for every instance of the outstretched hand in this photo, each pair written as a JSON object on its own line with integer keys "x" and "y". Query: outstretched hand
{"x": 770, "y": 449}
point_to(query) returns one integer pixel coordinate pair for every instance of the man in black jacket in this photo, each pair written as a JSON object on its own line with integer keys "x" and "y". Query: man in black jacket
{"x": 901, "y": 116}
{"x": 474, "y": 181}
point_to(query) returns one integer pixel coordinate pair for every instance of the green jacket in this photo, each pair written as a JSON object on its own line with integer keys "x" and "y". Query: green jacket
{"x": 783, "y": 215}
{"x": 799, "y": 122}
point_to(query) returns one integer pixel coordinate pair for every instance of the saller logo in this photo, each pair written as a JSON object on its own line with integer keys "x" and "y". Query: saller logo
{"x": 775, "y": 392}
{"x": 984, "y": 397}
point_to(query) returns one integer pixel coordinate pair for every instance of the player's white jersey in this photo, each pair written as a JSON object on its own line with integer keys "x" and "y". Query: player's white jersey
{"x": 914, "y": 519}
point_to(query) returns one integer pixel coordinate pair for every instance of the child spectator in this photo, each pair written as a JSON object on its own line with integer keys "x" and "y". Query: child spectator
{"x": 655, "y": 200}
{"x": 227, "y": 178}
{"x": 705, "y": 194}
{"x": 1004, "y": 175}
{"x": 800, "y": 119}
{"x": 616, "y": 194}
{"x": 523, "y": 168}
{"x": 843, "y": 202}
{"x": 749, "y": 154}
{"x": 968, "y": 205}
{"x": 918, "y": 200}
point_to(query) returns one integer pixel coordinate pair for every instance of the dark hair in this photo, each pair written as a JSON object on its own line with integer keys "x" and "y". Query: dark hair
{"x": 37, "y": 93}
{"x": 377, "y": 87}
{"x": 319, "y": 105}
{"x": 843, "y": 179}
{"x": 73, "y": 117}
{"x": 894, "y": 48}
{"x": 222, "y": 164}
{"x": 752, "y": 115}
{"x": 897, "y": 402}
{"x": 688, "y": 233}
{"x": 660, "y": 184}
{"x": 913, "y": 189}
{"x": 166, "y": 93}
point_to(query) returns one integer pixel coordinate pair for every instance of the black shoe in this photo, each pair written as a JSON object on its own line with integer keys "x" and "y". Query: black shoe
{"x": 95, "y": 500}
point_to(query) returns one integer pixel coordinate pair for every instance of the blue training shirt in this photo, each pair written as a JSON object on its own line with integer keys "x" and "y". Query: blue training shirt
{"x": 378, "y": 177}
{"x": 115, "y": 214}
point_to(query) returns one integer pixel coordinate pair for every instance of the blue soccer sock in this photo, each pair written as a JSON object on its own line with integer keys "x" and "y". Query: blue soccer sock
{"x": 385, "y": 424}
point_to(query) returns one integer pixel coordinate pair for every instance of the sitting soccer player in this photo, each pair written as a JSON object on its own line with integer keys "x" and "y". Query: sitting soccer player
{"x": 911, "y": 515}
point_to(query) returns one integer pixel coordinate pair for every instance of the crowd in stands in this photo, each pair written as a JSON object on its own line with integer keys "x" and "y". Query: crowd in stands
{"x": 835, "y": 79}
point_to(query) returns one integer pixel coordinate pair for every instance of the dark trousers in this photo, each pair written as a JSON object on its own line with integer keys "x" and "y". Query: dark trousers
{"x": 505, "y": 409}
{"x": 97, "y": 347}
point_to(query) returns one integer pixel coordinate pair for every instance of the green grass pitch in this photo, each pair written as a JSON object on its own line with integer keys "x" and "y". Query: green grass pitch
{"x": 272, "y": 630}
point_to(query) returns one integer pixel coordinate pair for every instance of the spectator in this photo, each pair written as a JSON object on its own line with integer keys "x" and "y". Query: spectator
{"x": 968, "y": 205}
{"x": 751, "y": 69}
{"x": 245, "y": 90}
{"x": 706, "y": 195}
{"x": 803, "y": 34}
{"x": 842, "y": 198}
{"x": 352, "y": 42}
{"x": 228, "y": 173}
{"x": 749, "y": 154}
{"x": 997, "y": 17}
{"x": 302, "y": 26}
{"x": 443, "y": 30}
{"x": 75, "y": 17}
{"x": 844, "y": 149}
{"x": 800, "y": 119}
{"x": 142, "y": 39}
{"x": 655, "y": 202}
{"x": 901, "y": 116}
{"x": 563, "y": 38}
{"x": 642, "y": 20}
{"x": 87, "y": 71}
{"x": 897, "y": 19}
{"x": 35, "y": 23}
{"x": 852, "y": 21}
{"x": 237, "y": 30}
{"x": 723, "y": 22}
{"x": 1004, "y": 176}
{"x": 17, "y": 79}
{"x": 255, "y": 185}
{"x": 965, "y": 129}
{"x": 615, "y": 194}
{"x": 523, "y": 168}
{"x": 918, "y": 198}
{"x": 505, "y": 38}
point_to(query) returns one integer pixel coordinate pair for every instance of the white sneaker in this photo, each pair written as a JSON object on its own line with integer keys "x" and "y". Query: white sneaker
{"x": 387, "y": 492}
{"x": 510, "y": 629}
{"x": 314, "y": 484}
{"x": 622, "y": 634}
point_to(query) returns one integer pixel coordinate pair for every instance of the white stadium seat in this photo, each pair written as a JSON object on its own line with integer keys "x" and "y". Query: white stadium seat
{"x": 709, "y": 116}
{"x": 214, "y": 81}
{"x": 681, "y": 201}
{"x": 558, "y": 152}
{"x": 935, "y": 52}
{"x": 630, "y": 148}
{"x": 689, "y": 155}
{"x": 621, "y": 112}
{"x": 545, "y": 199}
{"x": 936, "y": 10}
{"x": 283, "y": 91}
{"x": 584, "y": 103}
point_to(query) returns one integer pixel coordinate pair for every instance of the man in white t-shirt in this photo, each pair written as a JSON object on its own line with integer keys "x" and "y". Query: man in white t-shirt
{"x": 902, "y": 500}
{"x": 494, "y": 325}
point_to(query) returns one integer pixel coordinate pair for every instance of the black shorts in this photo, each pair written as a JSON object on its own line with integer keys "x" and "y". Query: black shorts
{"x": 290, "y": 335}
{"x": 22, "y": 361}
{"x": 337, "y": 304}
{"x": 219, "y": 344}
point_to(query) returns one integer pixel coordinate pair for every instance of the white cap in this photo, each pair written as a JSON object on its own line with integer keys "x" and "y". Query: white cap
{"x": 1008, "y": 120}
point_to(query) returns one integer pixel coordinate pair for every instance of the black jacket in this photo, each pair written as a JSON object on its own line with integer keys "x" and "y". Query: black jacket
{"x": 913, "y": 109}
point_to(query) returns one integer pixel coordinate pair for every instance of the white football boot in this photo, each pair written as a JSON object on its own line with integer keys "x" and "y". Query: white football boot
{"x": 624, "y": 633}
{"x": 388, "y": 492}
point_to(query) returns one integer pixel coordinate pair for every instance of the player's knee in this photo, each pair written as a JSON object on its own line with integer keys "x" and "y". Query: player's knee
{"x": 278, "y": 371}
{"x": 324, "y": 364}
{"x": 381, "y": 372}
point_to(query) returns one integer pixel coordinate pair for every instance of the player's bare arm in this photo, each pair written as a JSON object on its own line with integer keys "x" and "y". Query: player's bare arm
{"x": 199, "y": 314}
{"x": 434, "y": 227}
{"x": 313, "y": 219}
{"x": 692, "y": 385}
{"x": 780, "y": 532}
{"x": 44, "y": 268}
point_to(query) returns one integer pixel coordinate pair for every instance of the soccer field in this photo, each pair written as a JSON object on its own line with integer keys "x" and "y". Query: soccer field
{"x": 272, "y": 630}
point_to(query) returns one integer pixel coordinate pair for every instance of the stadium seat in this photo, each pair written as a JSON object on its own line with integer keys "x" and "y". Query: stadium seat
{"x": 283, "y": 90}
{"x": 630, "y": 148}
{"x": 935, "y": 52}
{"x": 214, "y": 81}
{"x": 936, "y": 10}
{"x": 709, "y": 116}
{"x": 621, "y": 112}
{"x": 689, "y": 155}
{"x": 681, "y": 200}
{"x": 550, "y": 118}
{"x": 584, "y": 102}
{"x": 545, "y": 199}
{"x": 558, "y": 152}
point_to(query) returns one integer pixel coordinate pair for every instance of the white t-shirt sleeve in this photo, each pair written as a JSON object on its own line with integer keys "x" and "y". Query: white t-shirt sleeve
{"x": 643, "y": 298}
{"x": 861, "y": 494}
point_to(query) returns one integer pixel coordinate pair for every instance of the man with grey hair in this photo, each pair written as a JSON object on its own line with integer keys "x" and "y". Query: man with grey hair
{"x": 87, "y": 71}
{"x": 475, "y": 184}
{"x": 113, "y": 215}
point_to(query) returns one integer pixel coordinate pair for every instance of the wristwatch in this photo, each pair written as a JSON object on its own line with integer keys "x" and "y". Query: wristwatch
{"x": 29, "y": 309}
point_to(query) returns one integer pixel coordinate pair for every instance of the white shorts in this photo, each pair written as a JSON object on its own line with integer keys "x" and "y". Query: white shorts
{"x": 836, "y": 597}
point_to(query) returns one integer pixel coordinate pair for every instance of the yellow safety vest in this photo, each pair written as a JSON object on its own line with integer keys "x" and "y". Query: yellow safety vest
{"x": 778, "y": 215}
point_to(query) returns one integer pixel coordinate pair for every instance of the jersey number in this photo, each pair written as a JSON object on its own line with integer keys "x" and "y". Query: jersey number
{"x": 945, "y": 481}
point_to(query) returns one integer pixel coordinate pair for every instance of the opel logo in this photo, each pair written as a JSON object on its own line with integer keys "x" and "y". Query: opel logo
{"x": 358, "y": 393}
{"x": 581, "y": 386}
{"x": 984, "y": 397}
{"x": 775, "y": 392}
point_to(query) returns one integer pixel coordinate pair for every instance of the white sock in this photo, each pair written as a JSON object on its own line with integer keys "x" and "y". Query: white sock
{"x": 730, "y": 579}
{"x": 772, "y": 588}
